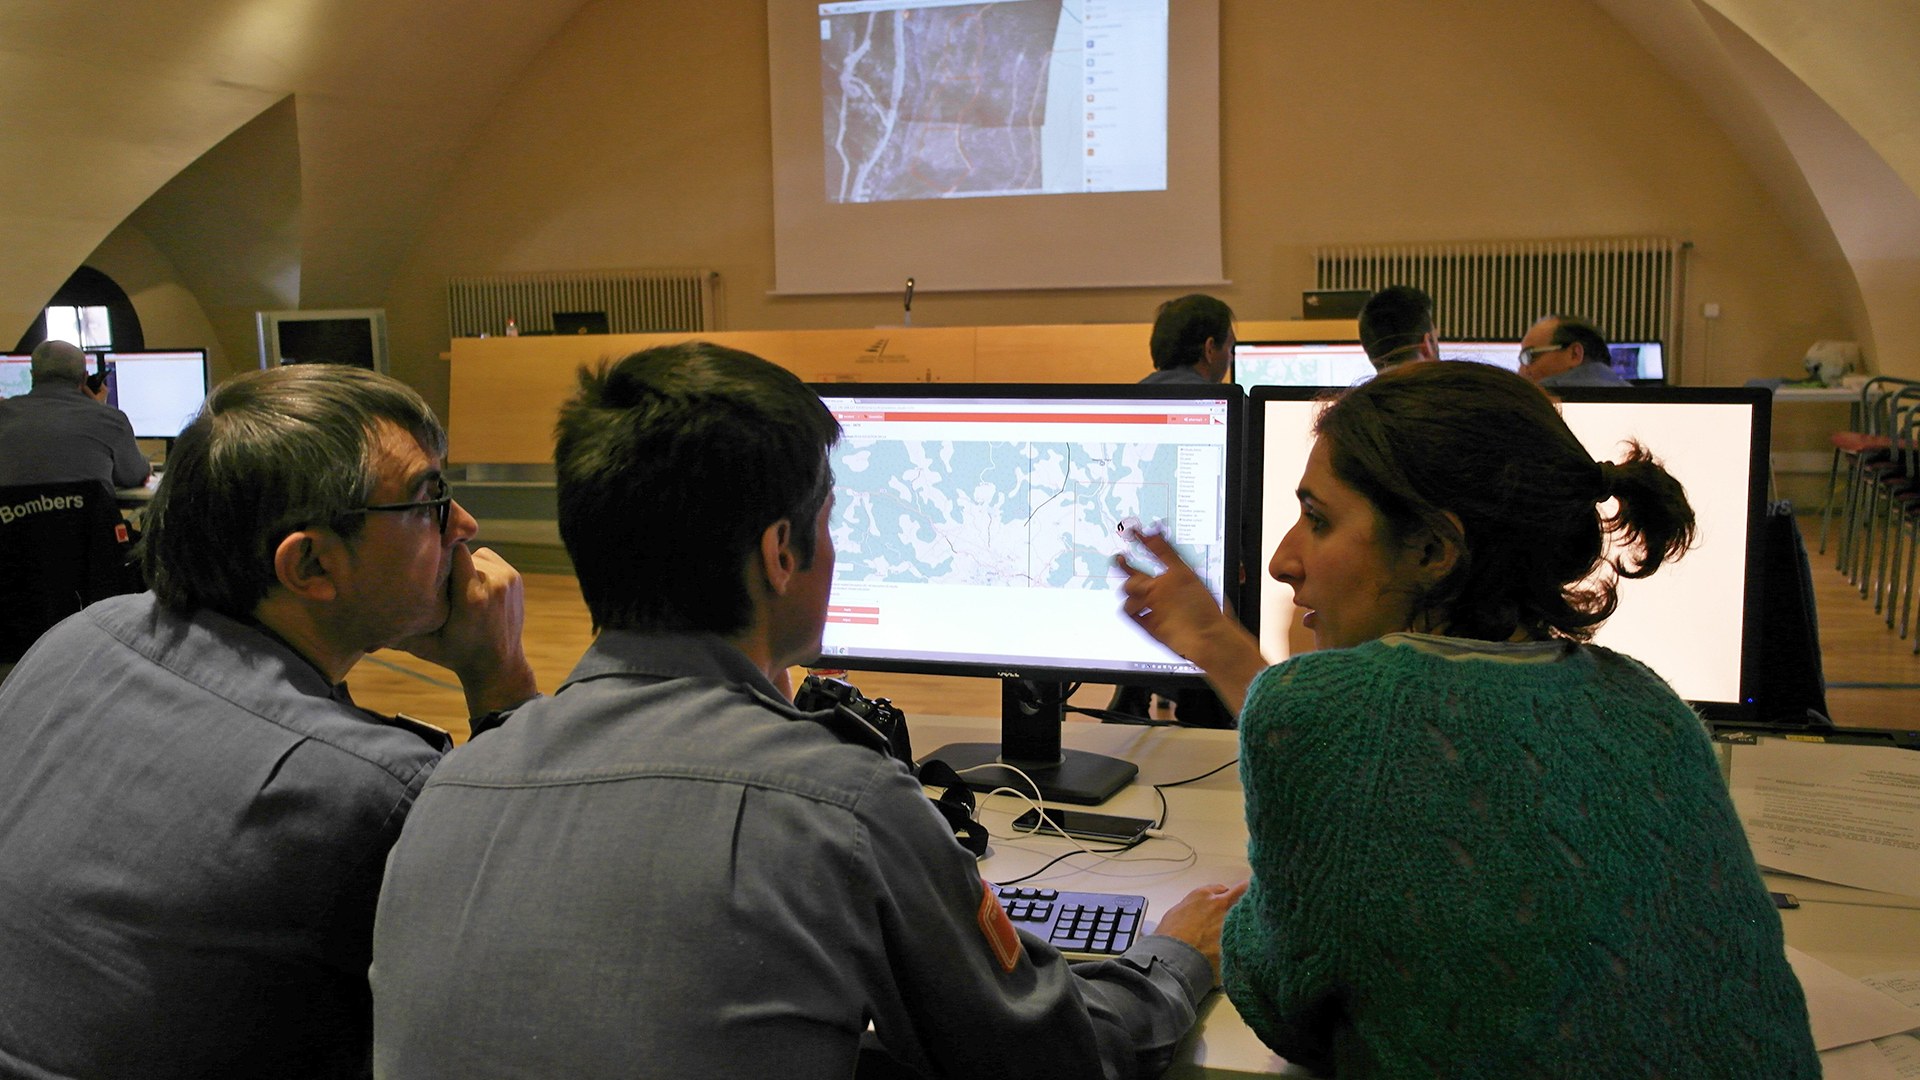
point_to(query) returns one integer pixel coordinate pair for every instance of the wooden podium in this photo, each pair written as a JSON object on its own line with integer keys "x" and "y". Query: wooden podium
{"x": 506, "y": 391}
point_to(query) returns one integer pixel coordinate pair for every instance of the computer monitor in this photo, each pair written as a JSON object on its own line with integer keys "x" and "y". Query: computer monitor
{"x": 1640, "y": 362}
{"x": 1500, "y": 354}
{"x": 1688, "y": 622}
{"x": 974, "y": 528}
{"x": 160, "y": 390}
{"x": 16, "y": 374}
{"x": 580, "y": 322}
{"x": 1300, "y": 363}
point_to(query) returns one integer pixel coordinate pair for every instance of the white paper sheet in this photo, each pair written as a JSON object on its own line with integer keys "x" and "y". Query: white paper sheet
{"x": 1861, "y": 1061}
{"x": 1846, "y": 814}
{"x": 1902, "y": 986}
{"x": 1845, "y": 1010}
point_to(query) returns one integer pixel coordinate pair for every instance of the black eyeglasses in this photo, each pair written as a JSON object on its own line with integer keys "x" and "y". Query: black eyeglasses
{"x": 442, "y": 504}
{"x": 1528, "y": 356}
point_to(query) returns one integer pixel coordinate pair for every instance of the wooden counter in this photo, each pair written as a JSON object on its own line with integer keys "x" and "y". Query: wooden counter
{"x": 506, "y": 391}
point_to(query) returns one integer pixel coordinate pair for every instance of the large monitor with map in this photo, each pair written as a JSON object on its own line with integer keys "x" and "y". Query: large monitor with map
{"x": 975, "y": 526}
{"x": 1689, "y": 622}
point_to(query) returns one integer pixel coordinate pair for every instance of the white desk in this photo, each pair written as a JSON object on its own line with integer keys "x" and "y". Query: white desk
{"x": 1857, "y": 932}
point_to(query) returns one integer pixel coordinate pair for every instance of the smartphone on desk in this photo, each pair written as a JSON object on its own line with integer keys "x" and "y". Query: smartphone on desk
{"x": 1084, "y": 825}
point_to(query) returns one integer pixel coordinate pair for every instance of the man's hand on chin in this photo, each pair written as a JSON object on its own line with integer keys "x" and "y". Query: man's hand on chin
{"x": 480, "y": 641}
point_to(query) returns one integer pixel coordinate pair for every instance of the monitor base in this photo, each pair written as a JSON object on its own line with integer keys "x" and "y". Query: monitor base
{"x": 1079, "y": 777}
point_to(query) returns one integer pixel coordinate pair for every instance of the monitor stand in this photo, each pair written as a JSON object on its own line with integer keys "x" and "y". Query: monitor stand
{"x": 1030, "y": 717}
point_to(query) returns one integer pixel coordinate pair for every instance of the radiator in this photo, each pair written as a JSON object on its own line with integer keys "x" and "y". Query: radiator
{"x": 1630, "y": 287}
{"x": 633, "y": 301}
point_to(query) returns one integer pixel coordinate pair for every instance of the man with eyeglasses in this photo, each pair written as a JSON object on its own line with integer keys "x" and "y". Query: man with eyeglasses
{"x": 194, "y": 815}
{"x": 1563, "y": 350}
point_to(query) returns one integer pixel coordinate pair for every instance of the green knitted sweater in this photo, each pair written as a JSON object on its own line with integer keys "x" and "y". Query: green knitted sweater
{"x": 1475, "y": 860}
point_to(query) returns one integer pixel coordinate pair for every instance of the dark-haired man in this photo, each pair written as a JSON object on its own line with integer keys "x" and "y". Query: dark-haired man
{"x": 1562, "y": 350}
{"x": 1192, "y": 341}
{"x": 193, "y": 813}
{"x": 61, "y": 430}
{"x": 665, "y": 866}
{"x": 1396, "y": 327}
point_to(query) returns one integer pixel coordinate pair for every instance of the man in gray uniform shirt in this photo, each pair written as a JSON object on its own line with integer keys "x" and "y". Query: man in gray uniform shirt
{"x": 194, "y": 814}
{"x": 666, "y": 868}
{"x": 60, "y": 430}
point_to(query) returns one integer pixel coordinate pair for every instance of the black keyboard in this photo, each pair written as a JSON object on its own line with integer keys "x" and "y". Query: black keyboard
{"x": 1082, "y": 925}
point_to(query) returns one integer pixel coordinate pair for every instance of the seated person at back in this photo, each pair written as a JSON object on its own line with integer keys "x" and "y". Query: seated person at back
{"x": 61, "y": 430}
{"x": 1396, "y": 327}
{"x": 1192, "y": 341}
{"x": 1561, "y": 350}
{"x": 668, "y": 869}
{"x": 1481, "y": 847}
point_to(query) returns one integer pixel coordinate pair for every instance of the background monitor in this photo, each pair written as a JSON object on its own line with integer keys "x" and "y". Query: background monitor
{"x": 1500, "y": 354}
{"x": 1300, "y": 363}
{"x": 16, "y": 374}
{"x": 580, "y": 322}
{"x": 356, "y": 336}
{"x": 1333, "y": 303}
{"x": 974, "y": 527}
{"x": 160, "y": 390}
{"x": 1688, "y": 622}
{"x": 1639, "y": 361}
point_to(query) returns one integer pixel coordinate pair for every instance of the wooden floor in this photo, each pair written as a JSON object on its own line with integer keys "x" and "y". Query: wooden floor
{"x": 1873, "y": 677}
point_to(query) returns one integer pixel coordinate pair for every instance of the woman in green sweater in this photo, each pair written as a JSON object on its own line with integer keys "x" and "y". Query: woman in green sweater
{"x": 1481, "y": 847}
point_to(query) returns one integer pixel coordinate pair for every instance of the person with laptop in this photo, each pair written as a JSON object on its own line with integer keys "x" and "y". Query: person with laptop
{"x": 1396, "y": 327}
{"x": 1192, "y": 341}
{"x": 64, "y": 430}
{"x": 1564, "y": 350}
{"x": 667, "y": 866}
{"x": 1481, "y": 846}
{"x": 194, "y": 813}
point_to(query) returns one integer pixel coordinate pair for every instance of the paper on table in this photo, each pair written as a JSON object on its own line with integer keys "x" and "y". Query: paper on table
{"x": 1859, "y": 1061}
{"x": 1902, "y": 1052}
{"x": 1843, "y": 1009}
{"x": 1902, "y": 986}
{"x": 1846, "y": 814}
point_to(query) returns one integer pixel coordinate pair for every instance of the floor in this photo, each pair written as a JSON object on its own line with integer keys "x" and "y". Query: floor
{"x": 1873, "y": 676}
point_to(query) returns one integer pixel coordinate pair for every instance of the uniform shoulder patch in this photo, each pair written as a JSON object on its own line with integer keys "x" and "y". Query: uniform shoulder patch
{"x": 1002, "y": 938}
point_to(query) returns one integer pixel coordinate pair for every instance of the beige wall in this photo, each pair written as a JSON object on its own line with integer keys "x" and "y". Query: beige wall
{"x": 170, "y": 316}
{"x": 639, "y": 138}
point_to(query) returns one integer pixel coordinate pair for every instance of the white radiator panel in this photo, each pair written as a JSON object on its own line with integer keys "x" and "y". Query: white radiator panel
{"x": 634, "y": 301}
{"x": 1630, "y": 287}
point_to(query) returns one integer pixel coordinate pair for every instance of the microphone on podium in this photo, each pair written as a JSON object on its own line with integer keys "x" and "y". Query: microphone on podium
{"x": 907, "y": 305}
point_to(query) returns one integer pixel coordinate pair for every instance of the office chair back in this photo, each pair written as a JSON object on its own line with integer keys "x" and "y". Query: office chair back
{"x": 62, "y": 547}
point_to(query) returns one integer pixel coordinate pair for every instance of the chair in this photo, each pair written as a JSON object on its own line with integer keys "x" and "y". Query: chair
{"x": 1863, "y": 444}
{"x": 1890, "y": 476}
{"x": 62, "y": 547}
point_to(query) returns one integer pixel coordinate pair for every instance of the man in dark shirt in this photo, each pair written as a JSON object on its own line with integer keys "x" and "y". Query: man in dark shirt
{"x": 61, "y": 430}
{"x": 1396, "y": 327}
{"x": 194, "y": 814}
{"x": 1192, "y": 341}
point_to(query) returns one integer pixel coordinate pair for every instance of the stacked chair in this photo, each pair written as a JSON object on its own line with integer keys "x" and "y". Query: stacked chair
{"x": 1881, "y": 493}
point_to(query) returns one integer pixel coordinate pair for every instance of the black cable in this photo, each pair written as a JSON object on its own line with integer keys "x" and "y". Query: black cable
{"x": 1158, "y": 789}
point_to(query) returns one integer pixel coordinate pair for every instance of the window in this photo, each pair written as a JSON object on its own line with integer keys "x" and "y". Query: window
{"x": 87, "y": 327}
